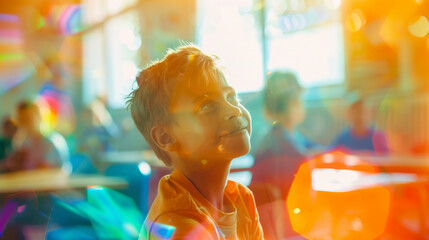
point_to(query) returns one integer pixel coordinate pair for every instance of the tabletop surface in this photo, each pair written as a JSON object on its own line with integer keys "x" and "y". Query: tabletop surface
{"x": 54, "y": 180}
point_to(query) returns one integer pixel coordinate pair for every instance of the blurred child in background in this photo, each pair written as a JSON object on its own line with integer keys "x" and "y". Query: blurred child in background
{"x": 33, "y": 150}
{"x": 283, "y": 147}
{"x": 280, "y": 152}
{"x": 360, "y": 136}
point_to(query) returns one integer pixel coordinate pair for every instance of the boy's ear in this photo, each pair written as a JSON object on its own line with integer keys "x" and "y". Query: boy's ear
{"x": 162, "y": 137}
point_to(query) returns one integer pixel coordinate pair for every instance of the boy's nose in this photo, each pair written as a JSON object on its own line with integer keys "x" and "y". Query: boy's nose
{"x": 233, "y": 111}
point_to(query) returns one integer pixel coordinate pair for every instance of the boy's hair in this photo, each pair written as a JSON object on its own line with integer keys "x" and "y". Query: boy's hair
{"x": 149, "y": 103}
{"x": 280, "y": 89}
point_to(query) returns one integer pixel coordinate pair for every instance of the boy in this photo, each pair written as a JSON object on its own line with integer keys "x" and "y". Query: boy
{"x": 194, "y": 123}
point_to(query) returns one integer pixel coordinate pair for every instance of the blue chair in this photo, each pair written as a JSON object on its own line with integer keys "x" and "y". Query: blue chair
{"x": 137, "y": 175}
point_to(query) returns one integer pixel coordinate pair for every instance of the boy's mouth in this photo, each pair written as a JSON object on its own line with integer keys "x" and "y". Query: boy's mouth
{"x": 226, "y": 133}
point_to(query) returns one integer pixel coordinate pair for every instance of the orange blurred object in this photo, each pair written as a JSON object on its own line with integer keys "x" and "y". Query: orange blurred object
{"x": 335, "y": 196}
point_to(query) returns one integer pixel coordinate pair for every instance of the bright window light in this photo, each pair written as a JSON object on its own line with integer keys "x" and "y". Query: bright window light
{"x": 315, "y": 54}
{"x": 227, "y": 28}
{"x": 123, "y": 56}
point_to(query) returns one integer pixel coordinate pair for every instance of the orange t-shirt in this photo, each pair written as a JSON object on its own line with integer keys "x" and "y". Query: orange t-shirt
{"x": 181, "y": 212}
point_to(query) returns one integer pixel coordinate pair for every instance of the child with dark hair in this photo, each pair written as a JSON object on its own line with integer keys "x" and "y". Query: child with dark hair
{"x": 283, "y": 148}
{"x": 360, "y": 136}
{"x": 31, "y": 148}
{"x": 8, "y": 130}
{"x": 194, "y": 123}
{"x": 280, "y": 152}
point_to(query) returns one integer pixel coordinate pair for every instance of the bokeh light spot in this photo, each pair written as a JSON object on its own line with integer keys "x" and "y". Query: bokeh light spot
{"x": 332, "y": 4}
{"x": 420, "y": 27}
{"x": 162, "y": 231}
{"x": 356, "y": 224}
{"x": 328, "y": 158}
{"x": 21, "y": 208}
{"x": 220, "y": 147}
{"x": 355, "y": 20}
{"x": 144, "y": 168}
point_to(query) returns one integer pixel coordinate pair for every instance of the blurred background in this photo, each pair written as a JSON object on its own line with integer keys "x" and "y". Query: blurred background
{"x": 76, "y": 60}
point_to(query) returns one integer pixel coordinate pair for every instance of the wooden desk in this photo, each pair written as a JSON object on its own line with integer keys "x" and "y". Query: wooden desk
{"x": 54, "y": 180}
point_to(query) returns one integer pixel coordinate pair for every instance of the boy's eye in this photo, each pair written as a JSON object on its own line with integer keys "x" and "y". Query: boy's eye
{"x": 206, "y": 107}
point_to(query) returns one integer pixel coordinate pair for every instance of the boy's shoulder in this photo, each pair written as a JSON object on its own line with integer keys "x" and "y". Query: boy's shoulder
{"x": 175, "y": 207}
{"x": 242, "y": 197}
{"x": 172, "y": 195}
{"x": 234, "y": 189}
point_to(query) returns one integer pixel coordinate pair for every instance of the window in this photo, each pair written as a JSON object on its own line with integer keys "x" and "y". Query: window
{"x": 316, "y": 55}
{"x": 306, "y": 37}
{"x": 228, "y": 29}
{"x": 122, "y": 40}
{"x": 110, "y": 50}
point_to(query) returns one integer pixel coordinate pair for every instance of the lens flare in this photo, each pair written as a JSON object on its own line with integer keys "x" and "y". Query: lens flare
{"x": 112, "y": 214}
{"x": 15, "y": 65}
{"x": 162, "y": 231}
{"x": 66, "y": 18}
{"x": 7, "y": 211}
{"x": 56, "y": 109}
{"x": 355, "y": 20}
{"x": 327, "y": 202}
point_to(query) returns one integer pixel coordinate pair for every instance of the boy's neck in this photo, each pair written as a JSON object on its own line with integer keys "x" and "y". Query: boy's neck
{"x": 210, "y": 183}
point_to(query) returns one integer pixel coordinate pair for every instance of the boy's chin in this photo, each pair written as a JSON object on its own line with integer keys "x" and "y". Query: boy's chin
{"x": 237, "y": 149}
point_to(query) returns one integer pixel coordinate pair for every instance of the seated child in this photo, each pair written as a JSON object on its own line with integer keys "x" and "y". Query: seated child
{"x": 32, "y": 149}
{"x": 360, "y": 136}
{"x": 282, "y": 148}
{"x": 194, "y": 123}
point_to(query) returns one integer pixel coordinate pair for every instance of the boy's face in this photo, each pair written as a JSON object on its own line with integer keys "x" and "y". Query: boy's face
{"x": 209, "y": 123}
